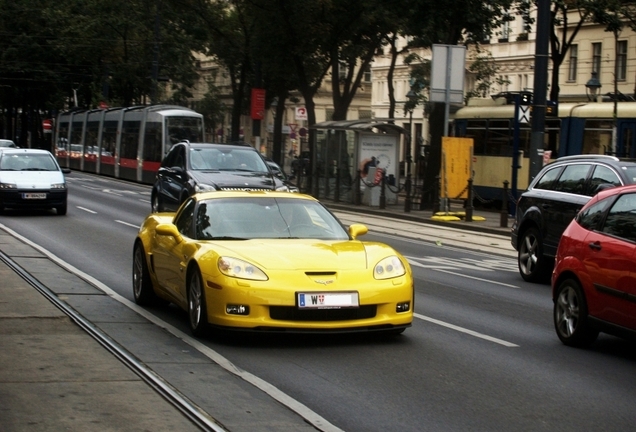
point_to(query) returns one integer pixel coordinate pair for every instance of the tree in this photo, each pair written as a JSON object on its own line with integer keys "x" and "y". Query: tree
{"x": 485, "y": 68}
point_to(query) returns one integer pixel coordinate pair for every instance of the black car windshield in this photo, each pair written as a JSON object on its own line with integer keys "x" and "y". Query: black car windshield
{"x": 630, "y": 173}
{"x": 224, "y": 159}
{"x": 256, "y": 218}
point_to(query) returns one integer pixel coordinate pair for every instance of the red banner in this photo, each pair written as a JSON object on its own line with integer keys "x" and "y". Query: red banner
{"x": 258, "y": 104}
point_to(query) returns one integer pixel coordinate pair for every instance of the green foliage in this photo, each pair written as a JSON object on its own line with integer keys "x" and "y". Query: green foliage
{"x": 485, "y": 69}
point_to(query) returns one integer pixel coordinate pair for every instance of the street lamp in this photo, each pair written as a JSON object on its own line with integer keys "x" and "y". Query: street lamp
{"x": 592, "y": 87}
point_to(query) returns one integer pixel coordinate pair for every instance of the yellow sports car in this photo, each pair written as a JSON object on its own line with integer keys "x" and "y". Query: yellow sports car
{"x": 270, "y": 261}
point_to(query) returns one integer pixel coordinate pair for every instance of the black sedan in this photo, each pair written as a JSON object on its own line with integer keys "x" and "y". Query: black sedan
{"x": 189, "y": 168}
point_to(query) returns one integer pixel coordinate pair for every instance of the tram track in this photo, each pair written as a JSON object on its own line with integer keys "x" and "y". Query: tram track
{"x": 194, "y": 413}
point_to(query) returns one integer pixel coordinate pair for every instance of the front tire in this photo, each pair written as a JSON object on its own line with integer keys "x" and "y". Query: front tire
{"x": 533, "y": 265}
{"x": 155, "y": 203}
{"x": 142, "y": 285}
{"x": 197, "y": 311}
{"x": 61, "y": 210}
{"x": 571, "y": 316}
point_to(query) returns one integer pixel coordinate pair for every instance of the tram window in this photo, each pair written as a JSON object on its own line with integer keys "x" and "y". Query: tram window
{"x": 109, "y": 138}
{"x": 597, "y": 137}
{"x": 572, "y": 180}
{"x": 62, "y": 142}
{"x": 602, "y": 175}
{"x": 129, "y": 139}
{"x": 76, "y": 132}
{"x": 152, "y": 142}
{"x": 92, "y": 130}
{"x": 547, "y": 181}
{"x": 476, "y": 129}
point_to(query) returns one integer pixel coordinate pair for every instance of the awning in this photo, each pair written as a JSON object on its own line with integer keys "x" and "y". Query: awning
{"x": 362, "y": 125}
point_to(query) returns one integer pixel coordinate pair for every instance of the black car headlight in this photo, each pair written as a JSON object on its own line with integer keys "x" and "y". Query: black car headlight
{"x": 203, "y": 188}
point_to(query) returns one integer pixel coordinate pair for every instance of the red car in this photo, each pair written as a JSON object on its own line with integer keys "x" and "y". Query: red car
{"x": 594, "y": 279}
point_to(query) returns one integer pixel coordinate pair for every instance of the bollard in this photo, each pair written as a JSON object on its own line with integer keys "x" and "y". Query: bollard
{"x": 407, "y": 188}
{"x": 469, "y": 204}
{"x": 503, "y": 220}
{"x": 382, "y": 192}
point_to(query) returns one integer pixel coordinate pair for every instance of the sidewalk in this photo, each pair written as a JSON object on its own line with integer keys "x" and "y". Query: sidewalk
{"x": 55, "y": 376}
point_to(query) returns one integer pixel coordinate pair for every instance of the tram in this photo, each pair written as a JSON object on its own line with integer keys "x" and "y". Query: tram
{"x": 127, "y": 143}
{"x": 579, "y": 128}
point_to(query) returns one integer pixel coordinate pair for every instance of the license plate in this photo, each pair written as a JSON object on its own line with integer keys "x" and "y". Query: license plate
{"x": 328, "y": 300}
{"x": 34, "y": 196}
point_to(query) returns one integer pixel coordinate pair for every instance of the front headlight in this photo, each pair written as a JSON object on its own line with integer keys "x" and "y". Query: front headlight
{"x": 234, "y": 267}
{"x": 8, "y": 186}
{"x": 389, "y": 267}
{"x": 204, "y": 188}
{"x": 58, "y": 186}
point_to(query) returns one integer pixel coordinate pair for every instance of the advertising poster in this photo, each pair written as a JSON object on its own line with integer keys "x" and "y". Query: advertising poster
{"x": 457, "y": 155}
{"x": 380, "y": 151}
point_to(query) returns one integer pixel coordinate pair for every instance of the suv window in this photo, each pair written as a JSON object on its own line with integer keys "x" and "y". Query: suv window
{"x": 547, "y": 180}
{"x": 602, "y": 175}
{"x": 621, "y": 219}
{"x": 591, "y": 218}
{"x": 573, "y": 178}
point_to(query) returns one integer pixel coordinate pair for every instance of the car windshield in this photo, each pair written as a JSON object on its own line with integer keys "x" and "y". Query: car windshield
{"x": 27, "y": 162}
{"x": 630, "y": 172}
{"x": 256, "y": 218}
{"x": 223, "y": 159}
{"x": 7, "y": 143}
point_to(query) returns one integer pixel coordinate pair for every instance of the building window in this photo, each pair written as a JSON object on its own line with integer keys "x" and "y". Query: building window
{"x": 367, "y": 74}
{"x": 596, "y": 57}
{"x": 621, "y": 61}
{"x": 574, "y": 56}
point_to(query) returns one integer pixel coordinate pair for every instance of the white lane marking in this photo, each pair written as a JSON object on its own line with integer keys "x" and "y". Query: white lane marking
{"x": 108, "y": 191}
{"x": 305, "y": 412}
{"x": 445, "y": 270}
{"x": 147, "y": 201}
{"x": 87, "y": 210}
{"x": 465, "y": 330}
{"x": 126, "y": 223}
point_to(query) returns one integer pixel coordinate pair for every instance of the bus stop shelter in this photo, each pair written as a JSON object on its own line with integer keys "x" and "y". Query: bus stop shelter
{"x": 349, "y": 153}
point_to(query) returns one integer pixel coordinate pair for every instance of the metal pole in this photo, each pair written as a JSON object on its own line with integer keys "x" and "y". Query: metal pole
{"x": 540, "y": 87}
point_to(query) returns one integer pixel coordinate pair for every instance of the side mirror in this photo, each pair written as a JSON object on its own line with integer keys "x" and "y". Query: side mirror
{"x": 66, "y": 170}
{"x": 357, "y": 230}
{"x": 169, "y": 230}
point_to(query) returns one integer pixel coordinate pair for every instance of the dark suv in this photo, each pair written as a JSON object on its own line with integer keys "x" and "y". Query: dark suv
{"x": 553, "y": 199}
{"x": 189, "y": 168}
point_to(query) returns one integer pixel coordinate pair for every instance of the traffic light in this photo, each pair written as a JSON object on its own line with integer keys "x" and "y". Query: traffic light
{"x": 525, "y": 98}
{"x": 552, "y": 108}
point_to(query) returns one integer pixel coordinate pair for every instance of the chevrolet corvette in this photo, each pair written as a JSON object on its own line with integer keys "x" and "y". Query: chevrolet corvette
{"x": 270, "y": 261}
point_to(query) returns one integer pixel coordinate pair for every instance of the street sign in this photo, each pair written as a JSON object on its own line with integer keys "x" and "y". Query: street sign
{"x": 47, "y": 126}
{"x": 524, "y": 114}
{"x": 301, "y": 113}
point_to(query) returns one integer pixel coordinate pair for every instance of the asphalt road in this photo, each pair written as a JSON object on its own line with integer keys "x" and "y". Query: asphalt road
{"x": 481, "y": 355}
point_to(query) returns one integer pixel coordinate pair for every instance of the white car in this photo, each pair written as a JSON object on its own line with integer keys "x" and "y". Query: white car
{"x": 5, "y": 143}
{"x": 31, "y": 178}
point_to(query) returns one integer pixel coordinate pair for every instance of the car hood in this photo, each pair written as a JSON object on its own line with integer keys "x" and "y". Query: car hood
{"x": 234, "y": 179}
{"x": 306, "y": 255}
{"x": 32, "y": 179}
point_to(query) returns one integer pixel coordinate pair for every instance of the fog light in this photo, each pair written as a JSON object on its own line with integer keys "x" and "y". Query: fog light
{"x": 403, "y": 307}
{"x": 237, "y": 309}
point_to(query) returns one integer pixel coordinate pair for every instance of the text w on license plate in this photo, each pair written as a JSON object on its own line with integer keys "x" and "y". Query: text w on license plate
{"x": 34, "y": 195}
{"x": 328, "y": 300}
